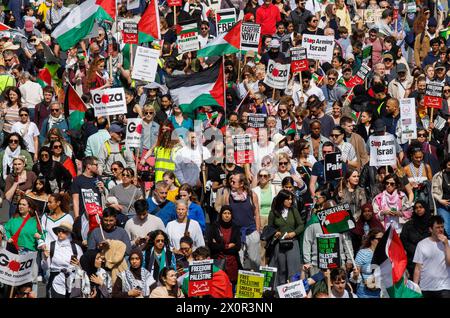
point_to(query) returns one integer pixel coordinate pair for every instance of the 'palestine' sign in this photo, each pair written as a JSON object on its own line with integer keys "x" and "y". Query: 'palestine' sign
{"x": 337, "y": 219}
{"x": 328, "y": 253}
{"x": 249, "y": 285}
{"x": 243, "y": 150}
{"x": 433, "y": 95}
{"x": 200, "y": 278}
{"x": 257, "y": 120}
{"x": 130, "y": 33}
{"x": 333, "y": 166}
{"x": 299, "y": 60}
{"x": 225, "y": 19}
{"x": 187, "y": 38}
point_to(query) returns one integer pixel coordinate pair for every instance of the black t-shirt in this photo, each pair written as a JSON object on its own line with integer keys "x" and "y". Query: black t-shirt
{"x": 218, "y": 173}
{"x": 87, "y": 189}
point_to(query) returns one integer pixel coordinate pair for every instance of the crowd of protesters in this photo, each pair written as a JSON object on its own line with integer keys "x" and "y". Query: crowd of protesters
{"x": 182, "y": 198}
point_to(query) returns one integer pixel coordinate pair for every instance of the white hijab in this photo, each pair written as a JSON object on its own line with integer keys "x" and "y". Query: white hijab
{"x": 8, "y": 159}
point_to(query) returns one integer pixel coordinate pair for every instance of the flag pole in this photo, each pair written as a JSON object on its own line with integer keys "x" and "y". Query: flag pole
{"x": 431, "y": 120}
{"x": 174, "y": 15}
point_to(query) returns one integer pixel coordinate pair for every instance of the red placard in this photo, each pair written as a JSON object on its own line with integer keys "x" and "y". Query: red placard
{"x": 130, "y": 38}
{"x": 355, "y": 80}
{"x": 299, "y": 66}
{"x": 395, "y": 14}
{"x": 174, "y": 3}
{"x": 200, "y": 278}
{"x": 432, "y": 102}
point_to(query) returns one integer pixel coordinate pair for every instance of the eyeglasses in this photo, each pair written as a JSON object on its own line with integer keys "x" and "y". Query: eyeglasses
{"x": 149, "y": 113}
{"x": 204, "y": 28}
{"x": 335, "y": 135}
{"x": 55, "y": 110}
{"x": 14, "y": 141}
{"x": 390, "y": 183}
{"x": 23, "y": 115}
{"x": 385, "y": 7}
{"x": 283, "y": 163}
{"x": 57, "y": 147}
{"x": 446, "y": 90}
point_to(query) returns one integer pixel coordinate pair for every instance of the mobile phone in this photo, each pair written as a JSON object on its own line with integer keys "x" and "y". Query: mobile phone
{"x": 73, "y": 258}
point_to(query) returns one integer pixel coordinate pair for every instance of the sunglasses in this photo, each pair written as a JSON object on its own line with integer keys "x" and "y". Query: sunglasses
{"x": 282, "y": 110}
{"x": 44, "y": 155}
{"x": 126, "y": 175}
{"x": 114, "y": 169}
{"x": 149, "y": 113}
{"x": 284, "y": 163}
{"x": 203, "y": 28}
{"x": 57, "y": 147}
{"x": 332, "y": 78}
{"x": 385, "y": 7}
{"x": 264, "y": 175}
{"x": 390, "y": 183}
{"x": 23, "y": 115}
{"x": 159, "y": 241}
{"x": 422, "y": 135}
{"x": 387, "y": 60}
{"x": 55, "y": 110}
{"x": 335, "y": 135}
{"x": 14, "y": 141}
{"x": 446, "y": 90}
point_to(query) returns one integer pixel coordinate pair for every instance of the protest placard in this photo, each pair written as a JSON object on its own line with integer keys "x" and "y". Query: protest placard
{"x": 225, "y": 19}
{"x": 333, "y": 166}
{"x": 277, "y": 75}
{"x": 213, "y": 5}
{"x": 433, "y": 95}
{"x": 299, "y": 60}
{"x": 257, "y": 120}
{"x": 337, "y": 219}
{"x": 249, "y": 285}
{"x": 200, "y": 278}
{"x": 187, "y": 38}
{"x": 145, "y": 64}
{"x": 328, "y": 253}
{"x": 318, "y": 47}
{"x": 110, "y": 101}
{"x": 382, "y": 150}
{"x": 250, "y": 35}
{"x": 292, "y": 290}
{"x": 243, "y": 149}
{"x": 370, "y": 16}
{"x": 408, "y": 119}
{"x": 174, "y": 3}
{"x": 132, "y": 4}
{"x": 130, "y": 32}
{"x": 17, "y": 269}
{"x": 270, "y": 276}
{"x": 360, "y": 76}
{"x": 134, "y": 132}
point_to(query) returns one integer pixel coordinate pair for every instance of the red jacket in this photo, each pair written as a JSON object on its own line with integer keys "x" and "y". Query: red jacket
{"x": 267, "y": 17}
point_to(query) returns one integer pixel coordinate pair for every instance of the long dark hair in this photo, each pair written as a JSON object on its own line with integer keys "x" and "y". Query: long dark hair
{"x": 174, "y": 291}
{"x": 367, "y": 241}
{"x": 278, "y": 201}
{"x": 46, "y": 185}
{"x": 152, "y": 236}
{"x": 22, "y": 143}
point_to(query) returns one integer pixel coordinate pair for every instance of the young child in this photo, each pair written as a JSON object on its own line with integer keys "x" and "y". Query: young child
{"x": 343, "y": 40}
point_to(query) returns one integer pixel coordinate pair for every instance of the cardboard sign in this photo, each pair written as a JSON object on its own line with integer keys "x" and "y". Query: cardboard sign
{"x": 382, "y": 150}
{"x": 250, "y": 35}
{"x": 225, "y": 19}
{"x": 243, "y": 149}
{"x": 174, "y": 3}
{"x": 130, "y": 33}
{"x": 408, "y": 119}
{"x": 370, "y": 16}
{"x": 318, "y": 47}
{"x": 17, "y": 269}
{"x": 249, "y": 285}
{"x": 132, "y": 4}
{"x": 433, "y": 95}
{"x": 134, "y": 132}
{"x": 299, "y": 60}
{"x": 333, "y": 166}
{"x": 277, "y": 75}
{"x": 292, "y": 290}
{"x": 145, "y": 64}
{"x": 270, "y": 276}
{"x": 110, "y": 101}
{"x": 257, "y": 120}
{"x": 200, "y": 278}
{"x": 337, "y": 219}
{"x": 187, "y": 38}
{"x": 328, "y": 252}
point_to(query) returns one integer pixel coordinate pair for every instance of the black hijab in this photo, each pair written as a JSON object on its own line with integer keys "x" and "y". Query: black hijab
{"x": 421, "y": 222}
{"x": 46, "y": 167}
{"x": 222, "y": 223}
{"x": 87, "y": 262}
{"x": 137, "y": 271}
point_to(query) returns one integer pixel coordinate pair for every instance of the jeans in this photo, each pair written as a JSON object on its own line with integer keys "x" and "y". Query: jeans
{"x": 364, "y": 292}
{"x": 445, "y": 213}
{"x": 436, "y": 293}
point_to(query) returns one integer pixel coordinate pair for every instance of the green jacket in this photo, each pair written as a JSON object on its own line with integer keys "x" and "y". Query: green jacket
{"x": 26, "y": 237}
{"x": 293, "y": 223}
{"x": 23, "y": 152}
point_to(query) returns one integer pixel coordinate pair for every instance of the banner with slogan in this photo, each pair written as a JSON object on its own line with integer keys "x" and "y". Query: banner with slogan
{"x": 249, "y": 285}
{"x": 382, "y": 151}
{"x": 145, "y": 64}
{"x": 110, "y": 101}
{"x": 318, "y": 47}
{"x": 270, "y": 276}
{"x": 408, "y": 119}
{"x": 174, "y": 3}
{"x": 250, "y": 35}
{"x": 256, "y": 120}
{"x": 333, "y": 166}
{"x": 360, "y": 76}
{"x": 200, "y": 278}
{"x": 433, "y": 95}
{"x": 277, "y": 75}
{"x": 134, "y": 132}
{"x": 370, "y": 16}
{"x": 299, "y": 60}
{"x": 337, "y": 219}
{"x": 132, "y": 4}
{"x": 243, "y": 149}
{"x": 328, "y": 251}
{"x": 187, "y": 37}
{"x": 130, "y": 32}
{"x": 292, "y": 290}
{"x": 17, "y": 269}
{"x": 225, "y": 19}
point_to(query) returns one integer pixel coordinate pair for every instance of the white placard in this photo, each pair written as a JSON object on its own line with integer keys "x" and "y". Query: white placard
{"x": 292, "y": 290}
{"x": 277, "y": 75}
{"x": 109, "y": 101}
{"x": 16, "y": 270}
{"x": 145, "y": 64}
{"x": 408, "y": 119}
{"x": 382, "y": 151}
{"x": 318, "y": 47}
{"x": 250, "y": 35}
{"x": 132, "y": 4}
{"x": 134, "y": 132}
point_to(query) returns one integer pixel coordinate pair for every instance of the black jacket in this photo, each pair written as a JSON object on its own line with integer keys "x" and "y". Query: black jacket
{"x": 218, "y": 246}
{"x": 411, "y": 235}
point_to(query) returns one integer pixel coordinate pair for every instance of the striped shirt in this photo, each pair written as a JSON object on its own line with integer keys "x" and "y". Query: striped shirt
{"x": 348, "y": 151}
{"x": 11, "y": 117}
{"x": 364, "y": 259}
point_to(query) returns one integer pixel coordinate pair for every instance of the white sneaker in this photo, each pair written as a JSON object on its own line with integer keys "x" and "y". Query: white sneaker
{"x": 39, "y": 278}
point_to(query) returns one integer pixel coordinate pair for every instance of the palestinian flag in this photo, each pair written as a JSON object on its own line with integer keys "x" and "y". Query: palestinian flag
{"x": 227, "y": 43}
{"x": 148, "y": 26}
{"x": 390, "y": 259}
{"x": 204, "y": 88}
{"x": 367, "y": 52}
{"x": 225, "y": 19}
{"x": 74, "y": 108}
{"x": 221, "y": 285}
{"x": 337, "y": 219}
{"x": 443, "y": 33}
{"x": 48, "y": 76}
{"x": 4, "y": 27}
{"x": 317, "y": 78}
{"x": 292, "y": 129}
{"x": 80, "y": 21}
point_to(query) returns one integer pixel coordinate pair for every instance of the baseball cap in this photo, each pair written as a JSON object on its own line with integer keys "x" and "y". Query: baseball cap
{"x": 379, "y": 126}
{"x": 115, "y": 128}
{"x": 401, "y": 68}
{"x": 439, "y": 65}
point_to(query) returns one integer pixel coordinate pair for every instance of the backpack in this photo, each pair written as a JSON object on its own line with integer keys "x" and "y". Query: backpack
{"x": 53, "y": 245}
{"x": 77, "y": 142}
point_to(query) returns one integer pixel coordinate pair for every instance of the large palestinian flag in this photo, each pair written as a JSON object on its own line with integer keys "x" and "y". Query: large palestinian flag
{"x": 227, "y": 43}
{"x": 148, "y": 26}
{"x": 80, "y": 21}
{"x": 74, "y": 108}
{"x": 390, "y": 261}
{"x": 205, "y": 88}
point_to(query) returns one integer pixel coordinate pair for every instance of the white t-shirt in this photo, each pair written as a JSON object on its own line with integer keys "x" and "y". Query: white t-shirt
{"x": 346, "y": 295}
{"x": 48, "y": 224}
{"x": 435, "y": 273}
{"x": 27, "y": 135}
{"x": 175, "y": 230}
